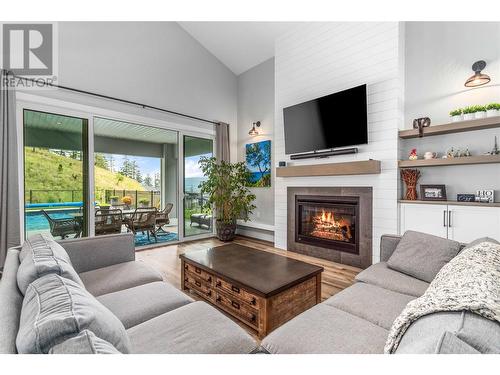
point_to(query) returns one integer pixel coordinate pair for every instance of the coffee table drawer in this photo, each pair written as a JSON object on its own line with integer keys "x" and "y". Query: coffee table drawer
{"x": 198, "y": 272}
{"x": 236, "y": 307}
{"x": 198, "y": 285}
{"x": 238, "y": 292}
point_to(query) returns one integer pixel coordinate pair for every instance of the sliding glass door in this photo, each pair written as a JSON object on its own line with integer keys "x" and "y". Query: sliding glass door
{"x": 135, "y": 181}
{"x": 55, "y": 174}
{"x": 197, "y": 218}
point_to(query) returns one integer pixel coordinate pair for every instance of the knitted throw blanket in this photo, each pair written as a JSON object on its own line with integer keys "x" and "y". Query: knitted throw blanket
{"x": 470, "y": 281}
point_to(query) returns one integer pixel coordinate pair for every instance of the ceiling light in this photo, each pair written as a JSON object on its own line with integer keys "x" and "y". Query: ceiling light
{"x": 478, "y": 78}
{"x": 253, "y": 131}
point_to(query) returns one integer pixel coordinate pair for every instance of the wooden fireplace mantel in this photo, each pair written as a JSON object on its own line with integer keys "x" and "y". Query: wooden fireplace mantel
{"x": 330, "y": 169}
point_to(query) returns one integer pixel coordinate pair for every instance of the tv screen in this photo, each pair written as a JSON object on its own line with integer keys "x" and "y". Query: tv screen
{"x": 335, "y": 120}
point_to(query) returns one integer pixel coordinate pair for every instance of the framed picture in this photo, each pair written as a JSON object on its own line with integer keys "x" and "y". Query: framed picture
{"x": 433, "y": 192}
{"x": 258, "y": 161}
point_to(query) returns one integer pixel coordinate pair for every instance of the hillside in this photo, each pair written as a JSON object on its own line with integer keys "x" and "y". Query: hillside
{"x": 47, "y": 171}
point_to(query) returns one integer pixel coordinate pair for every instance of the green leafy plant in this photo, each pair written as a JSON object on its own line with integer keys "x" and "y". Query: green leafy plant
{"x": 469, "y": 109}
{"x": 114, "y": 197}
{"x": 456, "y": 112}
{"x": 493, "y": 106}
{"x": 479, "y": 108}
{"x": 104, "y": 205}
{"x": 144, "y": 201}
{"x": 226, "y": 189}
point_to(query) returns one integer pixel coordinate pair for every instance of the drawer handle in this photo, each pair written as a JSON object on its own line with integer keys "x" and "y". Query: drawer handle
{"x": 253, "y": 318}
{"x": 253, "y": 301}
{"x": 218, "y": 299}
{"x": 197, "y": 270}
{"x": 209, "y": 279}
{"x": 186, "y": 267}
{"x": 218, "y": 284}
{"x": 197, "y": 283}
{"x": 209, "y": 293}
{"x": 235, "y": 289}
{"x": 235, "y": 304}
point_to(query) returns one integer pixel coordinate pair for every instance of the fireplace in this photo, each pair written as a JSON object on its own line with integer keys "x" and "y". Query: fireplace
{"x": 333, "y": 223}
{"x": 328, "y": 222}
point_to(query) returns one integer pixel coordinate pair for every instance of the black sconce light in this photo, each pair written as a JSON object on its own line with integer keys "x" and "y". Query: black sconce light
{"x": 253, "y": 131}
{"x": 478, "y": 79}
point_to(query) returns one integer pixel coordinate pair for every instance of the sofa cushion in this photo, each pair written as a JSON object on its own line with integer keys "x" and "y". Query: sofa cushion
{"x": 381, "y": 275}
{"x": 451, "y": 344}
{"x": 424, "y": 335}
{"x": 422, "y": 255}
{"x": 325, "y": 329}
{"x": 196, "y": 328}
{"x": 55, "y": 309}
{"x": 378, "y": 306}
{"x": 118, "y": 277}
{"x": 84, "y": 343}
{"x": 136, "y": 305}
{"x": 41, "y": 255}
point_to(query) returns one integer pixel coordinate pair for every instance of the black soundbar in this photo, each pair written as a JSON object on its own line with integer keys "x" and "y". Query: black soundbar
{"x": 324, "y": 154}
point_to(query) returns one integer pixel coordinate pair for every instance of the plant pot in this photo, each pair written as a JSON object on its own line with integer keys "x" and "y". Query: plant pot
{"x": 492, "y": 113}
{"x": 456, "y": 118}
{"x": 480, "y": 114}
{"x": 225, "y": 231}
{"x": 468, "y": 116}
{"x": 113, "y": 202}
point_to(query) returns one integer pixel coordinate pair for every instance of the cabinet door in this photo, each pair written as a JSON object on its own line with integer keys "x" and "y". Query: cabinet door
{"x": 467, "y": 223}
{"x": 427, "y": 218}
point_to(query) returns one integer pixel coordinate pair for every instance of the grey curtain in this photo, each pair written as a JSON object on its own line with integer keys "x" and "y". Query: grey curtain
{"x": 9, "y": 186}
{"x": 222, "y": 141}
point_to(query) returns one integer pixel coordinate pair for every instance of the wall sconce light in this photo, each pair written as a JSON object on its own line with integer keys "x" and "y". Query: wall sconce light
{"x": 253, "y": 131}
{"x": 478, "y": 79}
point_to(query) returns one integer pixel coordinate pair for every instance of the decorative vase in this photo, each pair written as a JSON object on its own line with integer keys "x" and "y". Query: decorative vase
{"x": 480, "y": 114}
{"x": 410, "y": 178}
{"x": 225, "y": 231}
{"x": 411, "y": 193}
{"x": 492, "y": 112}
{"x": 468, "y": 116}
{"x": 456, "y": 118}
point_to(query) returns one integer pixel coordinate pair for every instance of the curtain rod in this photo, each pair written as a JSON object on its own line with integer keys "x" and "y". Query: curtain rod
{"x": 112, "y": 98}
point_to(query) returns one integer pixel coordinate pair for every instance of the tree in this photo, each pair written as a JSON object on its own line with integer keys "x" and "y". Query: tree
{"x": 148, "y": 181}
{"x": 111, "y": 160}
{"x": 100, "y": 161}
{"x": 157, "y": 181}
{"x": 127, "y": 168}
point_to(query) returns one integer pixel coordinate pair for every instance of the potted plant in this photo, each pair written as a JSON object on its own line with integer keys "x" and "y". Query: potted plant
{"x": 227, "y": 193}
{"x": 456, "y": 115}
{"x": 493, "y": 109}
{"x": 104, "y": 206}
{"x": 468, "y": 113}
{"x": 113, "y": 200}
{"x": 144, "y": 202}
{"x": 127, "y": 201}
{"x": 479, "y": 111}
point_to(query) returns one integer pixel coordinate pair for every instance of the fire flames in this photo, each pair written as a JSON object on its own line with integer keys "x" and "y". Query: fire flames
{"x": 325, "y": 225}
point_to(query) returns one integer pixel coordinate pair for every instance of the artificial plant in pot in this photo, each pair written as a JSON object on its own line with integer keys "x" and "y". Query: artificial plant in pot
{"x": 479, "y": 111}
{"x": 493, "y": 109}
{"x": 225, "y": 187}
{"x": 456, "y": 115}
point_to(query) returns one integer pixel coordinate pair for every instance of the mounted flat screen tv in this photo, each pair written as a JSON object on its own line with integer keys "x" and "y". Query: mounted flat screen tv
{"x": 335, "y": 120}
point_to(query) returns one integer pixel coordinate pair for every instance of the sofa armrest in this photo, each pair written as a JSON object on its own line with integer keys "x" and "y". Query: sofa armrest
{"x": 388, "y": 243}
{"x": 92, "y": 253}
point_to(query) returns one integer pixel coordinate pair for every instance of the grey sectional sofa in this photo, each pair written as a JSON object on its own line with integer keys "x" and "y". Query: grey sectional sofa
{"x": 156, "y": 316}
{"x": 358, "y": 319}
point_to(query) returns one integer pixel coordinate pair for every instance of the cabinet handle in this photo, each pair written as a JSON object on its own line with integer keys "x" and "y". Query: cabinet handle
{"x": 253, "y": 301}
{"x": 197, "y": 283}
{"x": 449, "y": 219}
{"x": 235, "y": 304}
{"x": 197, "y": 270}
{"x": 444, "y": 218}
{"x": 235, "y": 289}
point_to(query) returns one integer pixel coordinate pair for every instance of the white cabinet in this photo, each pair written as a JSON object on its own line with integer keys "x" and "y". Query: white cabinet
{"x": 459, "y": 223}
{"x": 427, "y": 218}
{"x": 467, "y": 223}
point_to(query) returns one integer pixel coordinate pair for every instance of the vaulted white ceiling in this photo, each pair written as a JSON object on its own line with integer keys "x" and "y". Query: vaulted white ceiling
{"x": 238, "y": 45}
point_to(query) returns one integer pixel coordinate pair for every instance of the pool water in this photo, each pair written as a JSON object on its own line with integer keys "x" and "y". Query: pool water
{"x": 36, "y": 220}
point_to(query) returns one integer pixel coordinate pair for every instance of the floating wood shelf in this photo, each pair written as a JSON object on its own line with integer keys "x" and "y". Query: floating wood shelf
{"x": 331, "y": 169}
{"x": 466, "y": 160}
{"x": 453, "y": 203}
{"x": 453, "y": 127}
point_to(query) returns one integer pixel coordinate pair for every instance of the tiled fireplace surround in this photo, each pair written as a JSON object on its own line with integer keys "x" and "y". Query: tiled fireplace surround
{"x": 331, "y": 252}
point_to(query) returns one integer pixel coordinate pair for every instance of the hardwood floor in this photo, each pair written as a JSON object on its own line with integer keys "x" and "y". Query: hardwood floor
{"x": 166, "y": 260}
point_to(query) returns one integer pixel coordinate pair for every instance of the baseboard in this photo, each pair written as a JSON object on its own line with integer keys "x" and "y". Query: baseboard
{"x": 260, "y": 234}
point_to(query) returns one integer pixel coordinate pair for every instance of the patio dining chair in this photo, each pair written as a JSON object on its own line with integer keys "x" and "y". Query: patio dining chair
{"x": 162, "y": 218}
{"x": 143, "y": 220}
{"x": 63, "y": 227}
{"x": 108, "y": 221}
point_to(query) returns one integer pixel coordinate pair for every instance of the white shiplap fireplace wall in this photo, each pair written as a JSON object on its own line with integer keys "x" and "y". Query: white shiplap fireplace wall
{"x": 317, "y": 59}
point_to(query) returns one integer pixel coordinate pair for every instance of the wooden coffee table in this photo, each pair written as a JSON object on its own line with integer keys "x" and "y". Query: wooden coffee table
{"x": 261, "y": 289}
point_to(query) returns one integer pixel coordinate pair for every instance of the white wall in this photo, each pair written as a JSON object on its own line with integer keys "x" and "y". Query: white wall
{"x": 439, "y": 56}
{"x": 155, "y": 63}
{"x": 256, "y": 103}
{"x": 321, "y": 58}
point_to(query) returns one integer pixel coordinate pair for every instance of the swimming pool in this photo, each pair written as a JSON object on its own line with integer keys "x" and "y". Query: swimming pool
{"x": 36, "y": 221}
